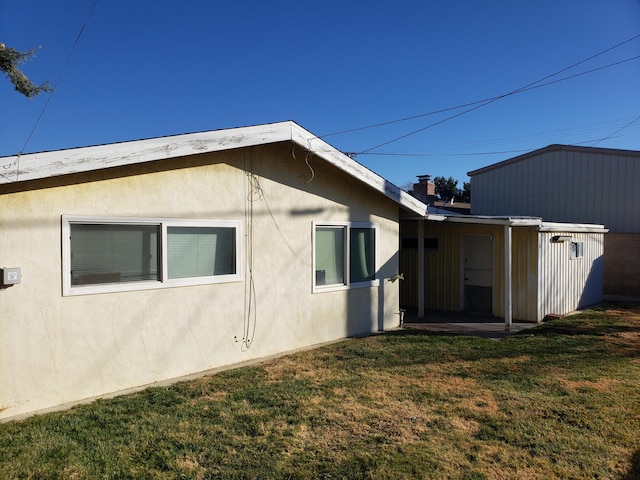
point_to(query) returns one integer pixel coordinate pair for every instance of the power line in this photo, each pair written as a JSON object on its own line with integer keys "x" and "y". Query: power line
{"x": 480, "y": 103}
{"x": 591, "y": 129}
{"x": 55, "y": 86}
{"x": 531, "y": 86}
{"x": 616, "y": 131}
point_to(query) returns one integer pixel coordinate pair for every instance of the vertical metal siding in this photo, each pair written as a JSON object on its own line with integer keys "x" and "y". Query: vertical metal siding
{"x": 564, "y": 186}
{"x": 525, "y": 274}
{"x": 566, "y": 284}
{"x": 443, "y": 268}
{"x": 545, "y": 280}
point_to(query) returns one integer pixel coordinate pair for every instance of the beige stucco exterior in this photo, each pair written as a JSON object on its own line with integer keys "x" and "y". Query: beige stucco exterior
{"x": 56, "y": 350}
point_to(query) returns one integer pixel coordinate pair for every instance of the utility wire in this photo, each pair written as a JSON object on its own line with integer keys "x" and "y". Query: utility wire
{"x": 526, "y": 88}
{"x": 616, "y": 131}
{"x": 480, "y": 103}
{"x": 591, "y": 129}
{"x": 55, "y": 86}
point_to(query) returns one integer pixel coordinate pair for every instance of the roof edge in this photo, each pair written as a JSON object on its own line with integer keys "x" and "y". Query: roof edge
{"x": 34, "y": 166}
{"x": 555, "y": 148}
{"x": 331, "y": 155}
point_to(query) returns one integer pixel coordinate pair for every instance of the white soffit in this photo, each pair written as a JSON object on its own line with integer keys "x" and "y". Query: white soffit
{"x": 34, "y": 166}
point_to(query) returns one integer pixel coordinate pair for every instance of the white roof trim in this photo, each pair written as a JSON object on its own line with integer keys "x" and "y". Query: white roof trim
{"x": 63, "y": 162}
{"x": 535, "y": 222}
{"x": 572, "y": 227}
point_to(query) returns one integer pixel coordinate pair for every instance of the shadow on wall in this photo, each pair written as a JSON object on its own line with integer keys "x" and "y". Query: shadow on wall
{"x": 592, "y": 292}
{"x": 366, "y": 311}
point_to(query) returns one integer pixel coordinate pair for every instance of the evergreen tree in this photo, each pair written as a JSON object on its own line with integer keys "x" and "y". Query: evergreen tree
{"x": 466, "y": 192}
{"x": 446, "y": 188}
{"x": 10, "y": 58}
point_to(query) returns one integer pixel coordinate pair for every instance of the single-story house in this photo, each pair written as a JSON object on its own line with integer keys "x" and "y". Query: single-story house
{"x": 516, "y": 268}
{"x": 134, "y": 263}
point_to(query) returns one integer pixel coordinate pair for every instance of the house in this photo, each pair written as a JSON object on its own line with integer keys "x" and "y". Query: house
{"x": 136, "y": 263}
{"x": 425, "y": 191}
{"x": 517, "y": 268}
{"x": 563, "y": 183}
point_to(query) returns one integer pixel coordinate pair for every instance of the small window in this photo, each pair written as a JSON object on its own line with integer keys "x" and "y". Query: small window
{"x": 345, "y": 255}
{"x": 430, "y": 243}
{"x": 577, "y": 249}
{"x": 117, "y": 254}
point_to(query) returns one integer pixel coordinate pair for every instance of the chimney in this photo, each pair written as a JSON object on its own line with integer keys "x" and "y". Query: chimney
{"x": 425, "y": 189}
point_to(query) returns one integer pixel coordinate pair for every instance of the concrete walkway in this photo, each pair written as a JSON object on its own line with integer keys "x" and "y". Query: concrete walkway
{"x": 464, "y": 323}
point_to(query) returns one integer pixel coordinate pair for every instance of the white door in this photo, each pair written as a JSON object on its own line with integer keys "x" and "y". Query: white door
{"x": 477, "y": 285}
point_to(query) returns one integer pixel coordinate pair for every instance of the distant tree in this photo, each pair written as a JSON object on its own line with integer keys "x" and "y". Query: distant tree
{"x": 10, "y": 58}
{"x": 446, "y": 188}
{"x": 465, "y": 195}
{"x": 407, "y": 187}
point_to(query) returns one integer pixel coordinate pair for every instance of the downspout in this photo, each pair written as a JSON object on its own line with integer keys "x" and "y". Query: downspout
{"x": 508, "y": 301}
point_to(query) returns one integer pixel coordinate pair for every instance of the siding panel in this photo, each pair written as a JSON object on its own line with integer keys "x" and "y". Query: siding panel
{"x": 564, "y": 184}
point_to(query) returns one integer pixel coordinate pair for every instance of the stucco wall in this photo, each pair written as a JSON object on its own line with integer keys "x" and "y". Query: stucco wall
{"x": 55, "y": 350}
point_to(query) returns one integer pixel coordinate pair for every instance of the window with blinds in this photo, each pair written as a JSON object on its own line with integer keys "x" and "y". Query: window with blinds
{"x": 115, "y": 254}
{"x": 112, "y": 253}
{"x": 200, "y": 251}
{"x": 345, "y": 255}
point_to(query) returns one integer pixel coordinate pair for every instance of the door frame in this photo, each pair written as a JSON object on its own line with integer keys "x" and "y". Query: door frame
{"x": 491, "y": 237}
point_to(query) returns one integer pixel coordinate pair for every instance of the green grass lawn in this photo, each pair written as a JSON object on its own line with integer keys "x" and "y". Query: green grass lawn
{"x": 559, "y": 401}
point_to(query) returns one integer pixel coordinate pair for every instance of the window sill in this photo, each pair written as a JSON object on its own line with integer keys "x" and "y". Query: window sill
{"x": 70, "y": 291}
{"x": 352, "y": 286}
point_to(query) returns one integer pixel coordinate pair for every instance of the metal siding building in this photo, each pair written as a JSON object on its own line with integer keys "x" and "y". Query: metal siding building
{"x": 562, "y": 183}
{"x": 545, "y": 278}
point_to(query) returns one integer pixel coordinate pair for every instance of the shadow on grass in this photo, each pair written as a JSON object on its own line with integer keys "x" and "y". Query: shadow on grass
{"x": 567, "y": 327}
{"x": 634, "y": 471}
{"x": 608, "y": 332}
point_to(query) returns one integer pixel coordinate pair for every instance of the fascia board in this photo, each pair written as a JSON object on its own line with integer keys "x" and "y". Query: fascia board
{"x": 572, "y": 227}
{"x": 513, "y": 222}
{"x": 84, "y": 159}
{"x": 63, "y": 162}
{"x": 333, "y": 156}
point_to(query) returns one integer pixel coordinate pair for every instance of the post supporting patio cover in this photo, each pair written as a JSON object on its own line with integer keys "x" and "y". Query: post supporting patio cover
{"x": 421, "y": 268}
{"x": 508, "y": 301}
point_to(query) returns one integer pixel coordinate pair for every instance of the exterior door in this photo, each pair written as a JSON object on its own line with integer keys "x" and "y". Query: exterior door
{"x": 477, "y": 288}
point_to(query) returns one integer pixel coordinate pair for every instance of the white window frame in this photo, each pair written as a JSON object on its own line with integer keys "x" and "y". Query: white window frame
{"x": 347, "y": 285}
{"x": 164, "y": 282}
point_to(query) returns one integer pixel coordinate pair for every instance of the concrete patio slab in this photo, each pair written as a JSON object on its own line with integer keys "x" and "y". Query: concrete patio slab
{"x": 465, "y": 323}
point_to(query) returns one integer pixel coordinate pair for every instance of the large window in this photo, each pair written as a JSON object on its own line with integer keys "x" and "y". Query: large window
{"x": 345, "y": 255}
{"x": 116, "y": 254}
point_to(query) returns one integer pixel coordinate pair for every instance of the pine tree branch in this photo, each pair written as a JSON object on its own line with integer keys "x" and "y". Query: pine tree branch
{"x": 10, "y": 58}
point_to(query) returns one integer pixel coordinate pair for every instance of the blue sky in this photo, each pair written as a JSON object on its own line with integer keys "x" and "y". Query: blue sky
{"x": 146, "y": 69}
